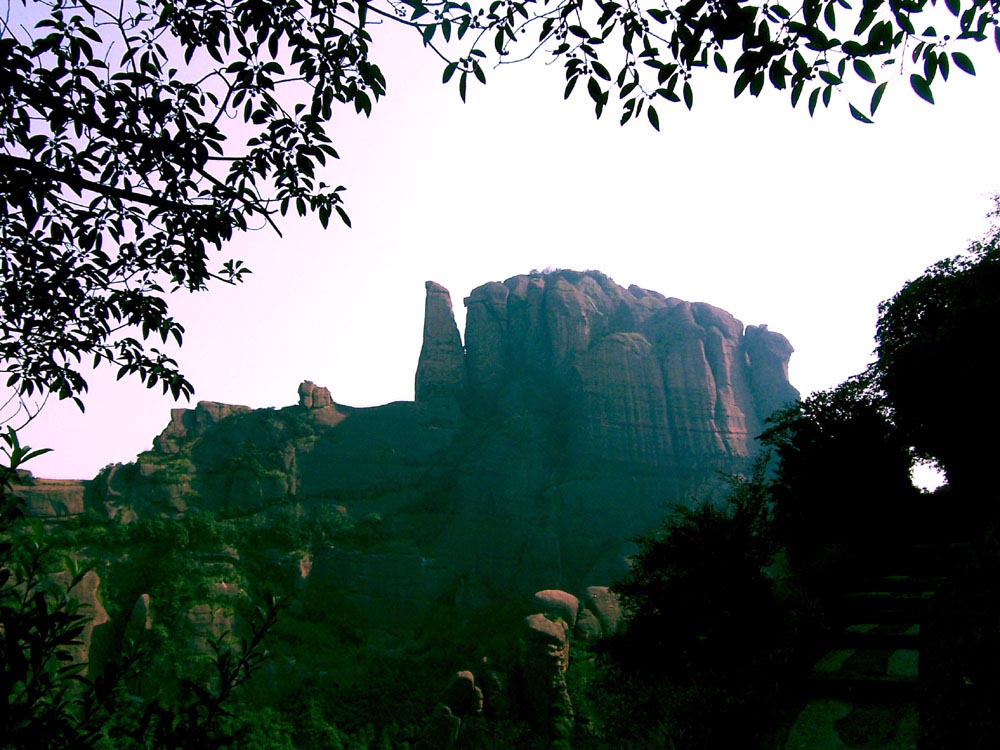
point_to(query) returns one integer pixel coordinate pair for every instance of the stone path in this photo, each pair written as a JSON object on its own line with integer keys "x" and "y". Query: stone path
{"x": 862, "y": 693}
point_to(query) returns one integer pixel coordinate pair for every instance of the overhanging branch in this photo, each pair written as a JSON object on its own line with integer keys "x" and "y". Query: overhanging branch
{"x": 8, "y": 162}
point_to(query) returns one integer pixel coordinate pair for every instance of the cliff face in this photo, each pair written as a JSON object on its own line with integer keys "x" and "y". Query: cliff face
{"x": 576, "y": 411}
{"x": 645, "y": 379}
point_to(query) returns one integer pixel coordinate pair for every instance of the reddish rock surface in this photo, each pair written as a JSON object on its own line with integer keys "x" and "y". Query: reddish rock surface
{"x": 441, "y": 368}
{"x": 50, "y": 497}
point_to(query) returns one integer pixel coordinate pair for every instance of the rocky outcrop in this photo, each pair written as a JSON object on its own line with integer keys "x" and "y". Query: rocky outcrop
{"x": 187, "y": 425}
{"x": 312, "y": 396}
{"x": 545, "y": 651}
{"x": 576, "y": 411}
{"x": 441, "y": 368}
{"x": 544, "y": 661}
{"x": 649, "y": 380}
{"x": 50, "y": 497}
{"x": 769, "y": 353}
{"x": 319, "y": 403}
{"x": 462, "y": 695}
{"x": 539, "y": 686}
{"x": 603, "y": 604}
{"x": 93, "y": 645}
{"x": 557, "y": 604}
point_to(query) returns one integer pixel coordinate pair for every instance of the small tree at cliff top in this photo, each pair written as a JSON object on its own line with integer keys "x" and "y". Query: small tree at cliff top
{"x": 138, "y": 137}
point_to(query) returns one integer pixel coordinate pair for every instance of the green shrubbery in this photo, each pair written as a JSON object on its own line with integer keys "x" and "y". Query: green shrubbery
{"x": 710, "y": 639}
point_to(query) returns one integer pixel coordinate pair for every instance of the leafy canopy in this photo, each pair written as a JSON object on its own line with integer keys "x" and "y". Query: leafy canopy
{"x": 935, "y": 356}
{"x": 650, "y": 52}
{"x": 135, "y": 138}
{"x": 139, "y": 136}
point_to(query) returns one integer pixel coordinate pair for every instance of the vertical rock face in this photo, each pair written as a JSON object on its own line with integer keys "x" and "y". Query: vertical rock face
{"x": 768, "y": 353}
{"x": 486, "y": 339}
{"x": 620, "y": 407}
{"x": 648, "y": 379}
{"x": 441, "y": 368}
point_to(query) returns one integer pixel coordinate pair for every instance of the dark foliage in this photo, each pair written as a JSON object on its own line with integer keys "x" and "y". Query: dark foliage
{"x": 48, "y": 698}
{"x": 711, "y": 635}
{"x": 960, "y": 654}
{"x": 119, "y": 171}
{"x": 842, "y": 490}
{"x": 933, "y": 352}
{"x": 137, "y": 138}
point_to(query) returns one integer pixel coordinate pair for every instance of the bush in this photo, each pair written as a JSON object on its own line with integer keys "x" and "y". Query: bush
{"x": 710, "y": 636}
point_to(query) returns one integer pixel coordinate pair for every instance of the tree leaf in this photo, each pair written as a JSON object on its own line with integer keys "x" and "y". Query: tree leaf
{"x": 654, "y": 119}
{"x": 859, "y": 115}
{"x": 830, "y": 16}
{"x": 962, "y": 62}
{"x": 922, "y": 88}
{"x": 864, "y": 71}
{"x": 930, "y": 65}
{"x": 594, "y": 89}
{"x": 877, "y": 97}
{"x": 742, "y": 81}
{"x": 570, "y": 84}
{"x": 797, "y": 92}
{"x": 813, "y": 100}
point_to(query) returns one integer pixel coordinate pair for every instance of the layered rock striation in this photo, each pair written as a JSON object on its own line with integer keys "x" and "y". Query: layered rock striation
{"x": 645, "y": 379}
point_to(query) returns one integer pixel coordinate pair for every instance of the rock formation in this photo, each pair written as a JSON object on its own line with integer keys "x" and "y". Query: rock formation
{"x": 50, "y": 497}
{"x": 545, "y": 661}
{"x": 441, "y": 368}
{"x": 545, "y": 651}
{"x": 646, "y": 379}
{"x": 575, "y": 413}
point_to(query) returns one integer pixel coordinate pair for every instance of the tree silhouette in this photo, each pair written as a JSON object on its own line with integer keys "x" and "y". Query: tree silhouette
{"x": 934, "y": 359}
{"x": 138, "y": 137}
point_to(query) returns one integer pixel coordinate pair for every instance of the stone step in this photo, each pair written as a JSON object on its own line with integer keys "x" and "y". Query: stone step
{"x": 884, "y": 606}
{"x": 863, "y": 690}
{"x": 905, "y": 582}
{"x": 829, "y": 723}
{"x": 880, "y": 635}
{"x": 866, "y": 673}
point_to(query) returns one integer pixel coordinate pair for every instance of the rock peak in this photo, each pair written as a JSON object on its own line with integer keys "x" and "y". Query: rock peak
{"x": 441, "y": 368}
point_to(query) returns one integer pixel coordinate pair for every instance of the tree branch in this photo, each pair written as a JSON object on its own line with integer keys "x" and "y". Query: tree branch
{"x": 82, "y": 183}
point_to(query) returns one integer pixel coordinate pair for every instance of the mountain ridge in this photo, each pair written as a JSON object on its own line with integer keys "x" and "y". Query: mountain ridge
{"x": 574, "y": 414}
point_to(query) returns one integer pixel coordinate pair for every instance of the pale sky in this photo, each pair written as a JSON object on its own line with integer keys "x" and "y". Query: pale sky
{"x": 801, "y": 224}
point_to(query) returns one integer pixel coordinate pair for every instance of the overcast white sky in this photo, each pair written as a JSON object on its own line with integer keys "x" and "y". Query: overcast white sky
{"x": 805, "y": 225}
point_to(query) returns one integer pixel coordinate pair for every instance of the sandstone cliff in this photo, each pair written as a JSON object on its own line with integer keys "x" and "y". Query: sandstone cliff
{"x": 646, "y": 379}
{"x": 574, "y": 414}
